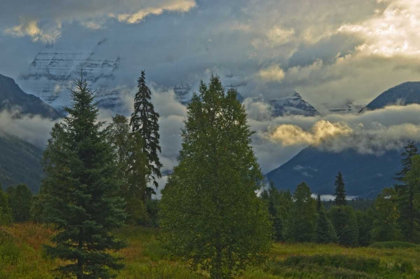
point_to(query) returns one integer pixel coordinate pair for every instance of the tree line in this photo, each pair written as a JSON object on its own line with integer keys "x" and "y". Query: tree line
{"x": 215, "y": 211}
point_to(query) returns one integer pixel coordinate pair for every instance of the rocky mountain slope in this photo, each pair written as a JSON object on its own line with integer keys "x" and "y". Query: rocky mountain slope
{"x": 364, "y": 175}
{"x": 404, "y": 94}
{"x": 293, "y": 104}
{"x": 50, "y": 77}
{"x": 20, "y": 161}
{"x": 12, "y": 98}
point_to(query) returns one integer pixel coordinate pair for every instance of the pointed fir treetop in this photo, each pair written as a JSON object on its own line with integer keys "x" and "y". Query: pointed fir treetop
{"x": 410, "y": 150}
{"x": 340, "y": 191}
{"x": 144, "y": 120}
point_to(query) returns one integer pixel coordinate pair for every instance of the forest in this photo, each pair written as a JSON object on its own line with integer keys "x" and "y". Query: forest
{"x": 96, "y": 215}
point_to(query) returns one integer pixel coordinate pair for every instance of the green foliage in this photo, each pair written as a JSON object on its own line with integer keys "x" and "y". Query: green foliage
{"x": 210, "y": 212}
{"x": 340, "y": 191}
{"x": 394, "y": 245}
{"x": 9, "y": 253}
{"x": 302, "y": 223}
{"x": 325, "y": 232}
{"x": 5, "y": 210}
{"x": 20, "y": 200}
{"x": 345, "y": 224}
{"x": 365, "y": 222}
{"x": 82, "y": 192}
{"x": 144, "y": 121}
{"x": 408, "y": 202}
{"x": 384, "y": 227}
{"x": 132, "y": 168}
{"x": 279, "y": 204}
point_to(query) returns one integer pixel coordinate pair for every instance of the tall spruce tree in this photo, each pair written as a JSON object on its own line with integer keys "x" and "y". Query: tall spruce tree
{"x": 409, "y": 202}
{"x": 210, "y": 213}
{"x": 405, "y": 194}
{"x": 81, "y": 192}
{"x": 301, "y": 225}
{"x": 144, "y": 121}
{"x": 340, "y": 191}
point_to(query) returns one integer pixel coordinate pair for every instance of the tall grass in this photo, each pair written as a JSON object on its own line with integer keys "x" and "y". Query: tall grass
{"x": 22, "y": 257}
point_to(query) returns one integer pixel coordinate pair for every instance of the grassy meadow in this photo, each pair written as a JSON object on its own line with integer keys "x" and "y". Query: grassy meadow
{"x": 22, "y": 256}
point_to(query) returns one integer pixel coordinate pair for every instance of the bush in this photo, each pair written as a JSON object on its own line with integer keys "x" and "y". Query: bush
{"x": 9, "y": 253}
{"x": 336, "y": 261}
{"x": 394, "y": 245}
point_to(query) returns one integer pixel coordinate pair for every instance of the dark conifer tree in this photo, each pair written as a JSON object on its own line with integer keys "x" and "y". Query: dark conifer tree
{"x": 81, "y": 192}
{"x": 325, "y": 232}
{"x": 5, "y": 210}
{"x": 340, "y": 191}
{"x": 20, "y": 200}
{"x": 144, "y": 121}
{"x": 406, "y": 193}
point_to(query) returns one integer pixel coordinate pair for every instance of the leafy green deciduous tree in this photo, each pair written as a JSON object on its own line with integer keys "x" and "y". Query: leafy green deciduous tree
{"x": 384, "y": 226}
{"x": 81, "y": 191}
{"x": 132, "y": 168}
{"x": 301, "y": 225}
{"x": 340, "y": 191}
{"x": 5, "y": 210}
{"x": 20, "y": 200}
{"x": 210, "y": 212}
{"x": 144, "y": 121}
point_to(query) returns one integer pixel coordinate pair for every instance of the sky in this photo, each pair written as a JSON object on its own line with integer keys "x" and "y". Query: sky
{"x": 331, "y": 52}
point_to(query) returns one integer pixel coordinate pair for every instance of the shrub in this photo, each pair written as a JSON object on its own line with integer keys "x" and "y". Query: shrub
{"x": 393, "y": 245}
{"x": 9, "y": 253}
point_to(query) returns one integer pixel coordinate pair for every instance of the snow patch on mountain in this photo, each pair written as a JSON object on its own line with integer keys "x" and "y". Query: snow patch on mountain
{"x": 50, "y": 77}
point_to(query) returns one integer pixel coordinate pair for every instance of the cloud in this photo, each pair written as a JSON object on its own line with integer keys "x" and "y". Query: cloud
{"x": 272, "y": 74}
{"x": 174, "y": 6}
{"x": 391, "y": 32}
{"x": 31, "y": 28}
{"x": 372, "y": 132}
{"x": 33, "y": 129}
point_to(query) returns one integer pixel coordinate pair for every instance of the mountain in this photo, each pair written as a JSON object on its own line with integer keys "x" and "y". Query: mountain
{"x": 13, "y": 98}
{"x": 364, "y": 175}
{"x": 20, "y": 162}
{"x": 292, "y": 105}
{"x": 50, "y": 77}
{"x": 404, "y": 94}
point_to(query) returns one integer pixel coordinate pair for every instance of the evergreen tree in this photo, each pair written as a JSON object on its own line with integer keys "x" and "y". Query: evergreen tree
{"x": 384, "y": 227}
{"x": 278, "y": 203}
{"x": 5, "y": 210}
{"x": 132, "y": 168}
{"x": 406, "y": 191}
{"x": 20, "y": 200}
{"x": 210, "y": 213}
{"x": 410, "y": 150}
{"x": 144, "y": 121}
{"x": 81, "y": 192}
{"x": 408, "y": 200}
{"x": 302, "y": 222}
{"x": 365, "y": 223}
{"x": 345, "y": 224}
{"x": 340, "y": 191}
{"x": 325, "y": 232}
